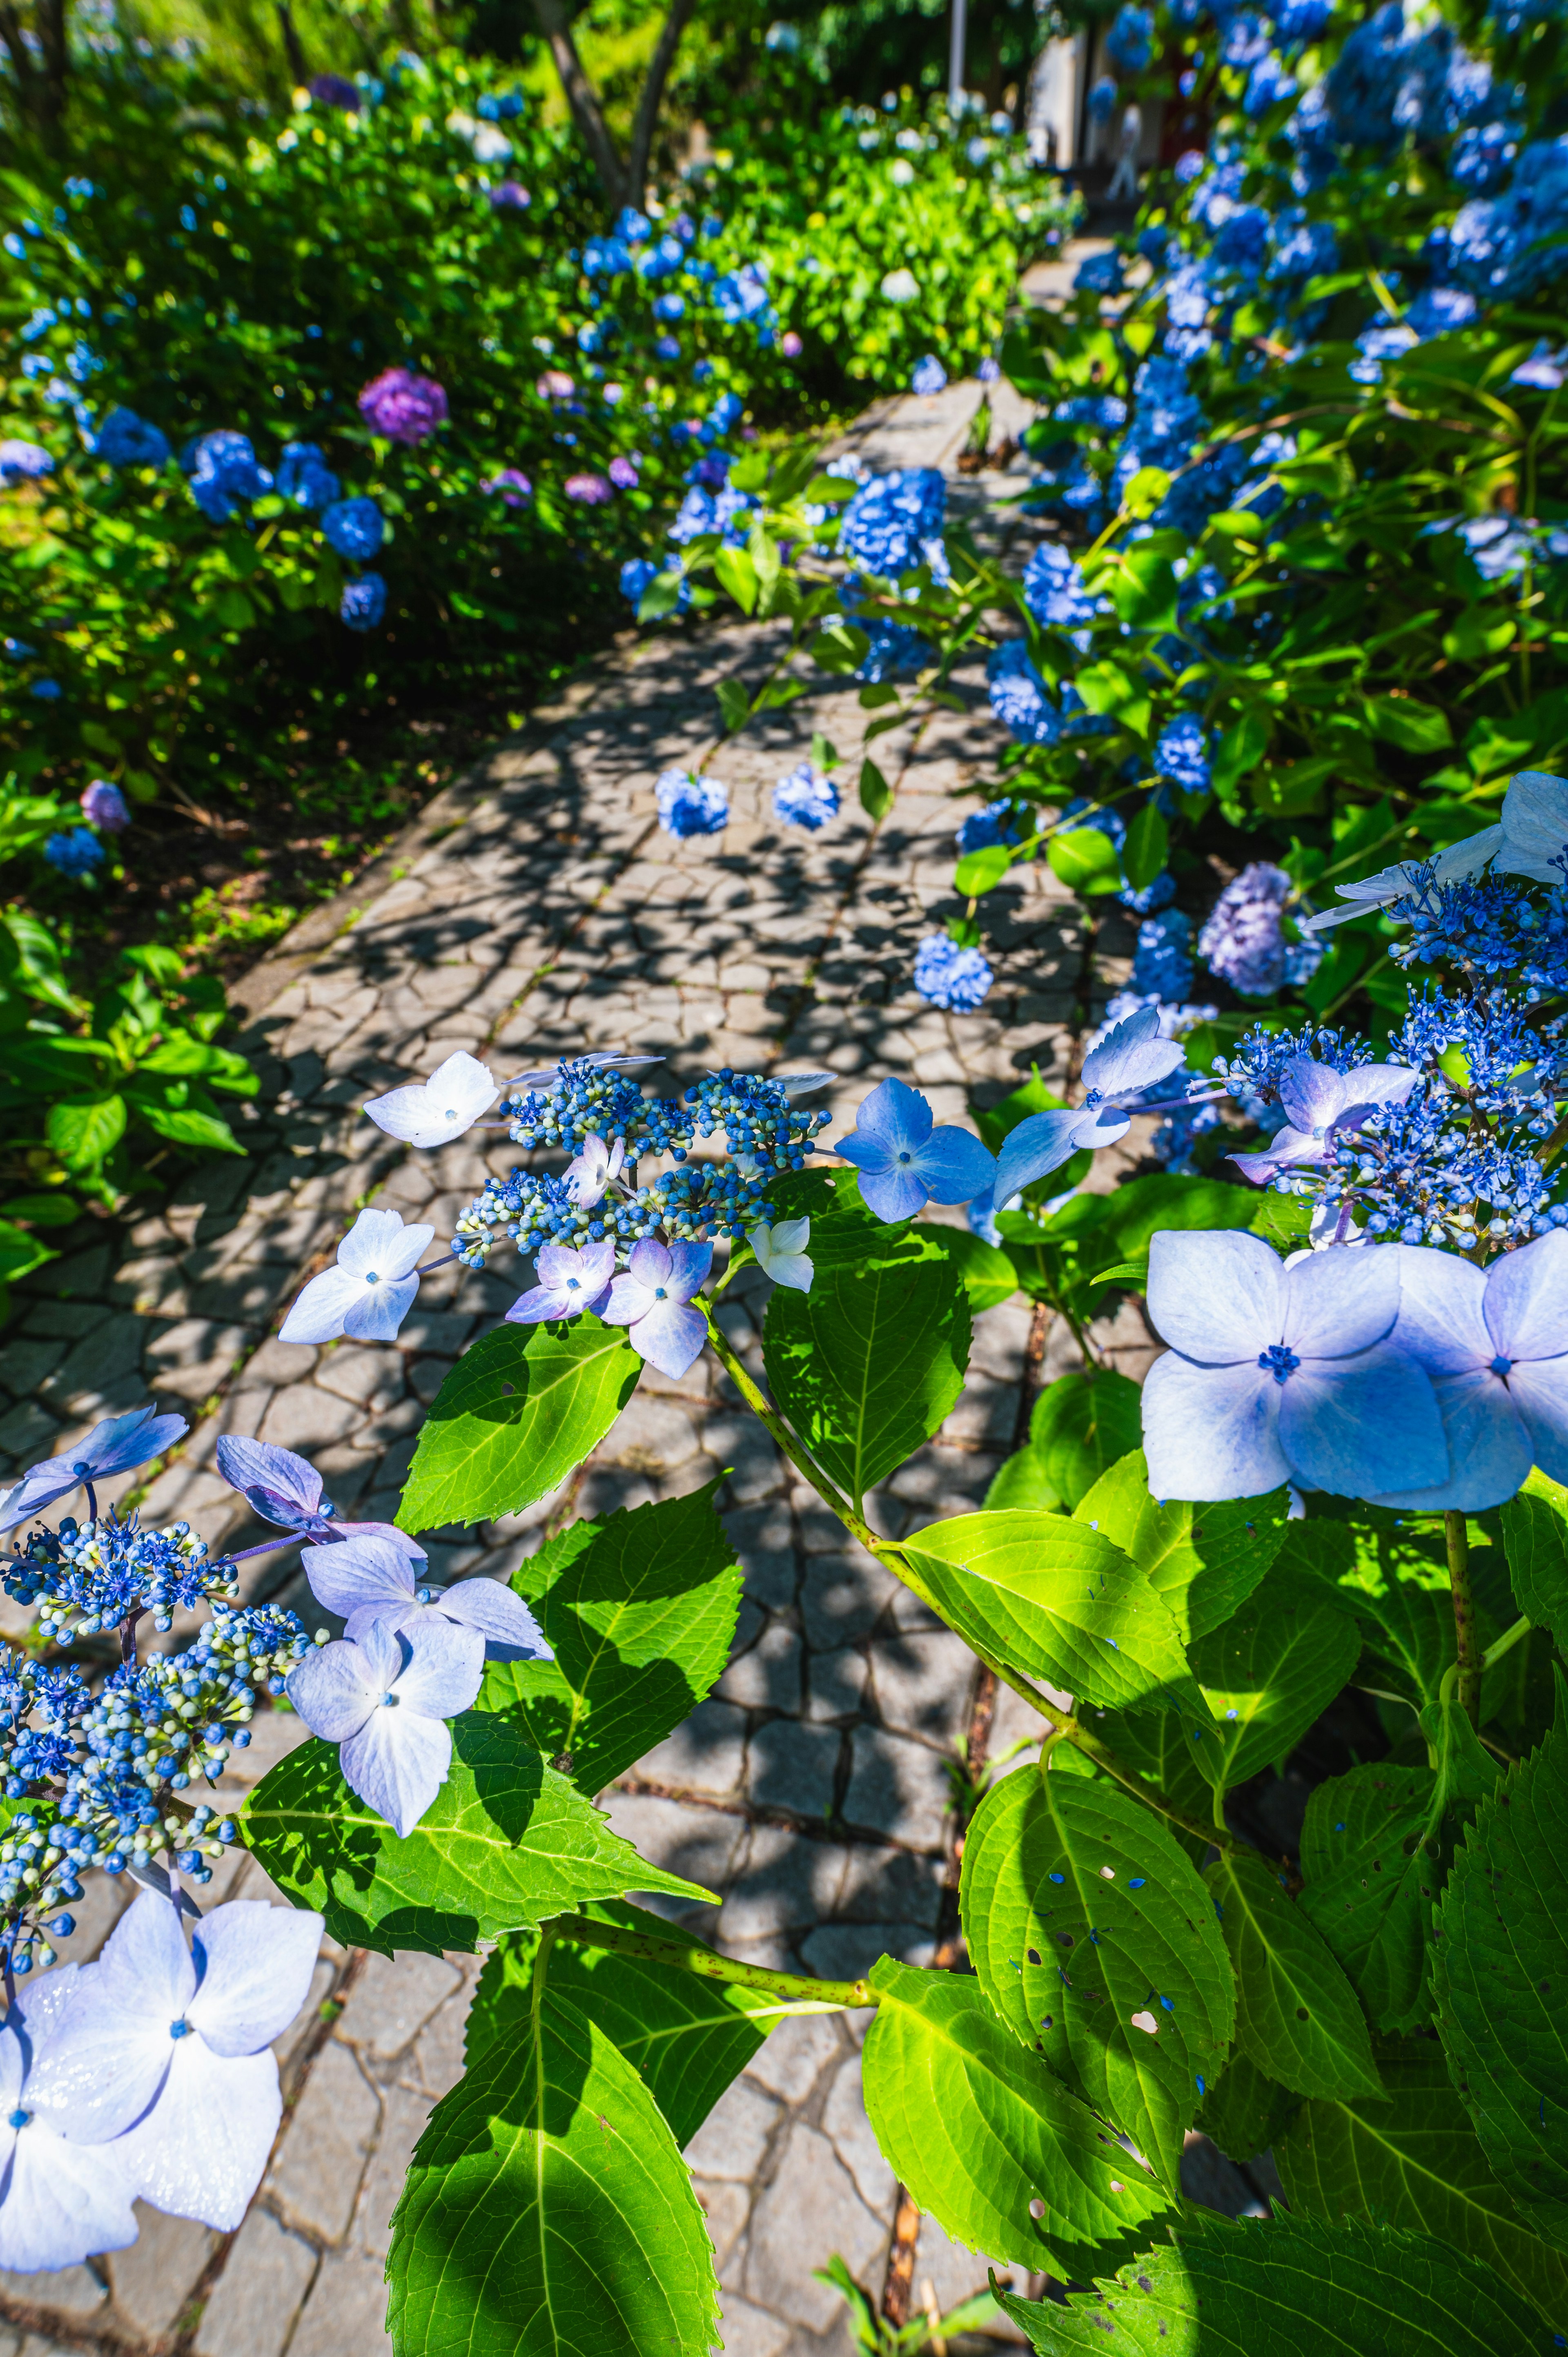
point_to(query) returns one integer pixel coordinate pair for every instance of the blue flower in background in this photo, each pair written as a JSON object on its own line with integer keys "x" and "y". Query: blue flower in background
{"x": 1018, "y": 695}
{"x": 662, "y": 260}
{"x": 667, "y": 348}
{"x": 1128, "y": 44}
{"x": 1054, "y": 589}
{"x": 1440, "y": 311}
{"x": 76, "y": 852}
{"x": 740, "y": 294}
{"x": 1508, "y": 246}
{"x": 222, "y": 469}
{"x": 502, "y": 106}
{"x": 1270, "y": 83}
{"x": 983, "y": 827}
{"x": 632, "y": 226}
{"x": 356, "y": 528}
{"x": 928, "y": 375}
{"x": 668, "y": 306}
{"x": 1303, "y": 20}
{"x": 1181, "y": 754}
{"x": 1243, "y": 939}
{"x": 363, "y": 601}
{"x": 48, "y": 691}
{"x": 895, "y": 647}
{"x": 690, "y": 805}
{"x": 722, "y": 418}
{"x": 637, "y": 571}
{"x": 304, "y": 476}
{"x": 605, "y": 258}
{"x": 1480, "y": 158}
{"x": 949, "y": 977}
{"x": 23, "y": 462}
{"x": 126, "y": 440}
{"x": 1162, "y": 965}
{"x": 894, "y": 523}
{"x": 1100, "y": 274}
{"x": 1303, "y": 249}
{"x": 805, "y": 798}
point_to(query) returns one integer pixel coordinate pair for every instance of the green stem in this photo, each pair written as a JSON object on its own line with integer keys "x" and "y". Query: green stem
{"x": 1469, "y": 1663}
{"x": 1506, "y": 1644}
{"x": 890, "y": 1556}
{"x": 684, "y": 1956}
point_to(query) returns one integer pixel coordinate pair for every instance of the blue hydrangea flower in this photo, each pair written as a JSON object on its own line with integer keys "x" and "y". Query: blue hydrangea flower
{"x": 48, "y": 691}
{"x": 126, "y": 440}
{"x": 805, "y": 798}
{"x": 1162, "y": 966}
{"x": 1507, "y": 247}
{"x": 1440, "y": 311}
{"x": 1481, "y": 156}
{"x": 690, "y": 805}
{"x": 304, "y": 478}
{"x": 222, "y": 470}
{"x": 949, "y": 977}
{"x": 1018, "y": 695}
{"x": 1054, "y": 587}
{"x": 76, "y": 852}
{"x": 23, "y": 462}
{"x": 1243, "y": 939}
{"x": 905, "y": 1160}
{"x": 929, "y": 376}
{"x": 363, "y": 601}
{"x": 894, "y": 523}
{"x": 1101, "y": 273}
{"x": 1102, "y": 100}
{"x": 983, "y": 827}
{"x": 1303, "y": 20}
{"x": 1181, "y": 754}
{"x": 895, "y": 648}
{"x": 1130, "y": 43}
{"x": 1270, "y": 83}
{"x": 355, "y": 528}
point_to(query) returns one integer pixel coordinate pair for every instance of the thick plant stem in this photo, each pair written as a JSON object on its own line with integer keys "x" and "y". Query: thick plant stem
{"x": 1469, "y": 1659}
{"x": 835, "y": 1996}
{"x": 1506, "y": 1643}
{"x": 1060, "y": 1723}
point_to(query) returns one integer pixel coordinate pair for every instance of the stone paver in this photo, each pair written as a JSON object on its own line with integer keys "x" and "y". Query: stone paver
{"x": 535, "y": 908}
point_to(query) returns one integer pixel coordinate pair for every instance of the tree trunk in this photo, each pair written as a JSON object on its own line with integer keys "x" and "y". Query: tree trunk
{"x": 648, "y": 105}
{"x": 51, "y": 94}
{"x": 582, "y": 100}
{"x": 291, "y": 42}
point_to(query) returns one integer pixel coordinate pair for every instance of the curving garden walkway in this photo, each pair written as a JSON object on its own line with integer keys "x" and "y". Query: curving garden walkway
{"x": 536, "y": 908}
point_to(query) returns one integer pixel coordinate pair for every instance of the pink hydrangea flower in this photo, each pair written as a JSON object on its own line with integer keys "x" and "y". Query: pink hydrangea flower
{"x": 589, "y": 490}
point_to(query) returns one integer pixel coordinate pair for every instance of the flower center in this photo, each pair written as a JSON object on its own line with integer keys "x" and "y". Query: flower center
{"x": 1279, "y": 1362}
{"x": 17, "y": 2119}
{"x": 82, "y": 1466}
{"x": 574, "y": 1284}
{"x": 1501, "y": 1366}
{"x": 451, "y": 1112}
{"x": 659, "y": 1294}
{"x": 1095, "y": 1097}
{"x": 388, "y": 1702}
{"x": 906, "y": 1157}
{"x": 180, "y": 2030}
{"x": 370, "y": 1277}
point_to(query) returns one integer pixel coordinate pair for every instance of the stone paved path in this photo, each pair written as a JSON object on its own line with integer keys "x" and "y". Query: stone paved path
{"x": 537, "y": 908}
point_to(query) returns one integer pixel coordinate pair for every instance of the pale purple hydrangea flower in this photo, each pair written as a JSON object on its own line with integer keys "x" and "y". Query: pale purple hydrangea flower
{"x": 651, "y": 1299}
{"x": 287, "y": 1492}
{"x": 1128, "y": 1060}
{"x": 372, "y": 1581}
{"x": 570, "y": 1281}
{"x": 116, "y": 1446}
{"x": 371, "y": 1291}
{"x": 104, "y": 805}
{"x": 384, "y": 1698}
{"x": 166, "y": 2050}
{"x": 433, "y": 1112}
{"x": 61, "y": 2199}
{"x": 1243, "y": 937}
{"x": 402, "y": 406}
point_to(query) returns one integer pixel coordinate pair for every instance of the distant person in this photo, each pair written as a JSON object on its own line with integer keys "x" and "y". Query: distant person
{"x": 1124, "y": 180}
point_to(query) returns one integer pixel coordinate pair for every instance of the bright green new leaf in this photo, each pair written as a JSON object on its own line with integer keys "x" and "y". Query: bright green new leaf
{"x": 979, "y": 872}
{"x": 1057, "y": 1601}
{"x": 640, "y": 1609}
{"x": 876, "y": 793}
{"x": 1371, "y": 1859}
{"x": 1291, "y": 2287}
{"x": 548, "y": 2212}
{"x": 519, "y": 1410}
{"x": 1535, "y": 1537}
{"x": 507, "y": 1841}
{"x": 1081, "y": 1425}
{"x": 1203, "y": 1560}
{"x": 1297, "y": 2016}
{"x": 1085, "y": 859}
{"x": 1501, "y": 1977}
{"x": 735, "y": 704}
{"x": 1000, "y": 2152}
{"x": 83, "y": 1130}
{"x": 1414, "y": 728}
{"x": 1021, "y": 1480}
{"x": 1095, "y": 1941}
{"x": 1143, "y": 591}
{"x": 686, "y": 2037}
{"x": 1412, "y": 2159}
{"x": 867, "y": 1364}
{"x": 1246, "y": 2111}
{"x": 734, "y": 571}
{"x": 1268, "y": 1672}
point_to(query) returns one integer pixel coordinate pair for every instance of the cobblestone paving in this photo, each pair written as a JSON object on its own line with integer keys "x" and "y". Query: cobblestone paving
{"x": 535, "y": 908}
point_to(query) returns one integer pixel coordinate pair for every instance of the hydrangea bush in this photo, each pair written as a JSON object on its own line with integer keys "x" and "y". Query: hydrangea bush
{"x": 1343, "y": 1486}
